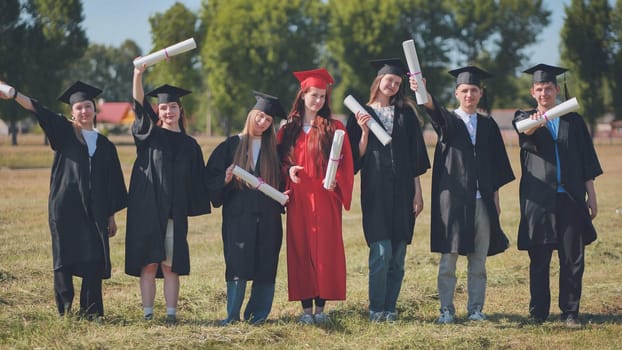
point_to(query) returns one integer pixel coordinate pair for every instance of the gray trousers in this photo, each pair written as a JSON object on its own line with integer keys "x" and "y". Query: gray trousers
{"x": 476, "y": 268}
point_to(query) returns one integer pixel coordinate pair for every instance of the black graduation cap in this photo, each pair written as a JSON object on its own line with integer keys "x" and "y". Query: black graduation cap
{"x": 543, "y": 73}
{"x": 269, "y": 104}
{"x": 168, "y": 93}
{"x": 79, "y": 92}
{"x": 469, "y": 75}
{"x": 389, "y": 66}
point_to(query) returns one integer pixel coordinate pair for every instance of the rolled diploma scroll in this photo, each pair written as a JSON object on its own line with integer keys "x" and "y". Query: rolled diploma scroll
{"x": 263, "y": 187}
{"x": 335, "y": 157}
{"x": 7, "y": 90}
{"x": 173, "y": 50}
{"x": 555, "y": 112}
{"x": 415, "y": 70}
{"x": 355, "y": 107}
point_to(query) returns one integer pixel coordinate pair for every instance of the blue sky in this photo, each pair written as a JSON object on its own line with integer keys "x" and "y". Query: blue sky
{"x": 110, "y": 22}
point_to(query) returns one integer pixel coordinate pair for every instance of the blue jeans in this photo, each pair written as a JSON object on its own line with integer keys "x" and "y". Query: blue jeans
{"x": 386, "y": 273}
{"x": 258, "y": 306}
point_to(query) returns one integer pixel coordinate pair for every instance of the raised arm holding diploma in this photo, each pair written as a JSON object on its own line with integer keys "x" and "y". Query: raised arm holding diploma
{"x": 555, "y": 112}
{"x": 356, "y": 107}
{"x": 160, "y": 55}
{"x": 260, "y": 185}
{"x": 415, "y": 70}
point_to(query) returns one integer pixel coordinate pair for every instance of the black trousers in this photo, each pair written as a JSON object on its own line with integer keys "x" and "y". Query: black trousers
{"x": 570, "y": 250}
{"x": 91, "y": 303}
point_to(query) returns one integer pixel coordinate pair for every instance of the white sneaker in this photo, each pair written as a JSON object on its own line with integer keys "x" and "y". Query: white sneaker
{"x": 306, "y": 319}
{"x": 321, "y": 318}
{"x": 477, "y": 316}
{"x": 390, "y": 316}
{"x": 446, "y": 317}
{"x": 376, "y": 316}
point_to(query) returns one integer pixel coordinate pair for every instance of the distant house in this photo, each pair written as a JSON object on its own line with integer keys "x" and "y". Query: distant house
{"x": 116, "y": 113}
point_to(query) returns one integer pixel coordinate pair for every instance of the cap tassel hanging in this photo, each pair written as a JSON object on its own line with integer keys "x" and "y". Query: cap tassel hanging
{"x": 565, "y": 89}
{"x": 484, "y": 101}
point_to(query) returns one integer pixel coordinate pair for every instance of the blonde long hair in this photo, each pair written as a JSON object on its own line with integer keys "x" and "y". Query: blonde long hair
{"x": 269, "y": 165}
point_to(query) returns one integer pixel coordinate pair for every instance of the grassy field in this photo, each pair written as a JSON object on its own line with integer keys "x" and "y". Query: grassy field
{"x": 28, "y": 317}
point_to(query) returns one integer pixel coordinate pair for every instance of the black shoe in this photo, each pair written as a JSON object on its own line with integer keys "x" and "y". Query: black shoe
{"x": 536, "y": 320}
{"x": 571, "y": 322}
{"x": 171, "y": 319}
{"x": 148, "y": 317}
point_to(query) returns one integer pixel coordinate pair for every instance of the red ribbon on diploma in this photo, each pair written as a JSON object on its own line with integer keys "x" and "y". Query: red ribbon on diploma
{"x": 261, "y": 182}
{"x": 338, "y": 160}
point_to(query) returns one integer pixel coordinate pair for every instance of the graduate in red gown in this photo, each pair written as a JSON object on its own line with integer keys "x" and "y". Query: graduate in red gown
{"x": 316, "y": 265}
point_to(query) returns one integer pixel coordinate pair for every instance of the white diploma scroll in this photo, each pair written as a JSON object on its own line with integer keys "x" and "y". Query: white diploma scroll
{"x": 7, "y": 90}
{"x": 555, "y": 112}
{"x": 356, "y": 107}
{"x": 258, "y": 184}
{"x": 160, "y": 55}
{"x": 335, "y": 158}
{"x": 415, "y": 70}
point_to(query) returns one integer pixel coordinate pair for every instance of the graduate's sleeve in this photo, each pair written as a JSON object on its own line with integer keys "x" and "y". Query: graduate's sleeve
{"x": 420, "y": 162}
{"x": 345, "y": 171}
{"x": 56, "y": 127}
{"x": 215, "y": 169}
{"x": 198, "y": 196}
{"x": 590, "y": 166}
{"x": 116, "y": 190}
{"x": 354, "y": 133}
{"x": 526, "y": 142}
{"x": 503, "y": 173}
{"x": 144, "y": 122}
{"x": 439, "y": 117}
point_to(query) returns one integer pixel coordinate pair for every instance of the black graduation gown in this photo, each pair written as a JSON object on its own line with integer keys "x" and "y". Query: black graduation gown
{"x": 387, "y": 176}
{"x": 538, "y": 184}
{"x": 459, "y": 167}
{"x": 84, "y": 193}
{"x": 161, "y": 187}
{"x": 252, "y": 231}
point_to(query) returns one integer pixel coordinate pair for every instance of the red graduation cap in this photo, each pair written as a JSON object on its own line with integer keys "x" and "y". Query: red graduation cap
{"x": 317, "y": 78}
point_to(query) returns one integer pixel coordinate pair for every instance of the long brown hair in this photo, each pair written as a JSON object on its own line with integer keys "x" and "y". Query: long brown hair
{"x": 320, "y": 135}
{"x": 182, "y": 118}
{"x": 269, "y": 165}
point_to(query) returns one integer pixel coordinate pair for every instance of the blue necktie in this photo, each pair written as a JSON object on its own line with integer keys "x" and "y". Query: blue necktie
{"x": 472, "y": 130}
{"x": 553, "y": 126}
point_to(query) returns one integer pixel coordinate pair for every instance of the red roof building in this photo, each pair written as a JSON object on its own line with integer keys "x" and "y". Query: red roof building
{"x": 115, "y": 113}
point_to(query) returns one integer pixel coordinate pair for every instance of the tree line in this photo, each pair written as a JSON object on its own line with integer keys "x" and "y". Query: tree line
{"x": 256, "y": 45}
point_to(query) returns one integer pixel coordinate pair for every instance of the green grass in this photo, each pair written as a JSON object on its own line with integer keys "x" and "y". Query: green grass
{"x": 28, "y": 317}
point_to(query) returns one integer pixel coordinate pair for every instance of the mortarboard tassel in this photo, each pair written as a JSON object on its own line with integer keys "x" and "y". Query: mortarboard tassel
{"x": 565, "y": 89}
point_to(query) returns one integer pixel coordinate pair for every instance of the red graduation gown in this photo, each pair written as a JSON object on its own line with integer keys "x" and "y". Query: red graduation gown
{"x": 316, "y": 263}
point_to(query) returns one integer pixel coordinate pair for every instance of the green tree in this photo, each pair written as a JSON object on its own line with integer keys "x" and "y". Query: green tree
{"x": 40, "y": 42}
{"x": 585, "y": 35}
{"x": 519, "y": 23}
{"x": 12, "y": 70}
{"x": 615, "y": 77}
{"x": 109, "y": 68}
{"x": 56, "y": 41}
{"x": 494, "y": 35}
{"x": 369, "y": 29}
{"x": 177, "y": 24}
{"x": 255, "y": 45}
